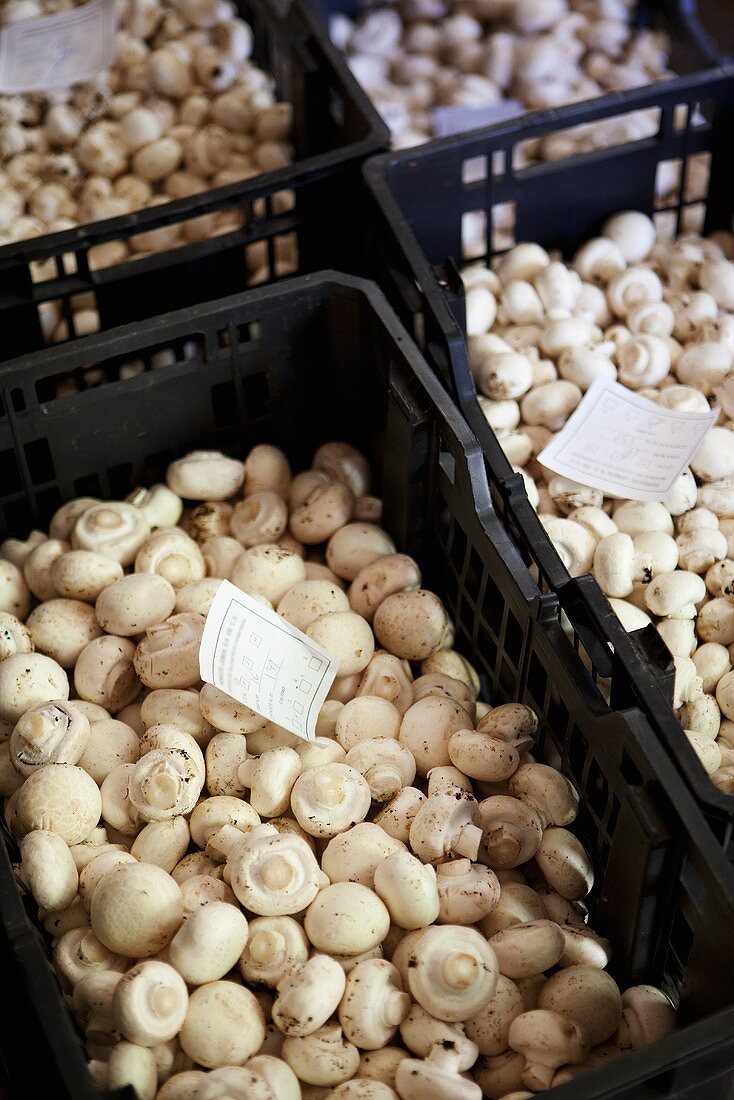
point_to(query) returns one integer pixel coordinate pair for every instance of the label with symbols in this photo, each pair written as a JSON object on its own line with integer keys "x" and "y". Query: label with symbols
{"x": 254, "y": 655}
{"x": 57, "y": 51}
{"x": 624, "y": 444}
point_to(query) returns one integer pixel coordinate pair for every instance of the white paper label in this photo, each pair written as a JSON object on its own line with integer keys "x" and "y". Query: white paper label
{"x": 624, "y": 444}
{"x": 57, "y": 50}
{"x": 457, "y": 120}
{"x": 259, "y": 659}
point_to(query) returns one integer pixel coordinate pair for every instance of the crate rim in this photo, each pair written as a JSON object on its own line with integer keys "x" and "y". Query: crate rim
{"x": 308, "y": 169}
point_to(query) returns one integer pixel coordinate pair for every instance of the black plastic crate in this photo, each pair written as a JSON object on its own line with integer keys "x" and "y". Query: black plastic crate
{"x": 335, "y": 128}
{"x": 422, "y": 197}
{"x": 292, "y": 365}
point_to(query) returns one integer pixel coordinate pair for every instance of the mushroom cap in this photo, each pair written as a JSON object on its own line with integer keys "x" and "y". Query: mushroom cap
{"x": 346, "y": 918}
{"x": 308, "y": 994}
{"x": 330, "y": 799}
{"x": 226, "y": 713}
{"x": 104, "y": 673}
{"x": 205, "y": 475}
{"x": 224, "y": 1025}
{"x": 326, "y": 508}
{"x": 548, "y": 792}
{"x": 274, "y": 946}
{"x": 524, "y": 950}
{"x": 53, "y": 733}
{"x": 438, "y": 1076}
{"x": 28, "y": 680}
{"x": 129, "y": 606}
{"x": 305, "y": 601}
{"x": 412, "y": 624}
{"x": 565, "y": 864}
{"x": 346, "y": 637}
{"x": 168, "y": 656}
{"x": 61, "y": 629}
{"x": 452, "y": 971}
{"x": 48, "y": 869}
{"x": 490, "y": 1027}
{"x": 114, "y": 528}
{"x": 209, "y": 942}
{"x": 84, "y": 574}
{"x": 62, "y": 799}
{"x": 268, "y": 570}
{"x": 427, "y": 727}
{"x": 272, "y": 873}
{"x": 466, "y": 891}
{"x": 344, "y": 463}
{"x": 14, "y": 636}
{"x": 517, "y": 904}
{"x": 409, "y": 890}
{"x": 482, "y": 757}
{"x": 373, "y": 1005}
{"x": 355, "y": 546}
{"x": 364, "y": 717}
{"x": 136, "y": 910}
{"x": 588, "y": 996}
{"x": 324, "y": 1057}
{"x": 149, "y": 1003}
{"x": 110, "y": 743}
{"x": 356, "y": 855}
{"x": 379, "y": 579}
{"x": 162, "y": 842}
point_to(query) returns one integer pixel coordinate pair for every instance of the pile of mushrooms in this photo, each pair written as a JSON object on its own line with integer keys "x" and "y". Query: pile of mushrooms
{"x": 393, "y": 910}
{"x": 182, "y": 110}
{"x": 656, "y": 315}
{"x": 419, "y": 55}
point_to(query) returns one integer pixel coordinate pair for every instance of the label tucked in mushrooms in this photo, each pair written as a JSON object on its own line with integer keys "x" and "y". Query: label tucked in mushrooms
{"x": 254, "y": 655}
{"x": 57, "y": 50}
{"x": 624, "y": 444}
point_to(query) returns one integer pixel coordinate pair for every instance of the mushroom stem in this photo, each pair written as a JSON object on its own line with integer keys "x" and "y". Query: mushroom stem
{"x": 460, "y": 970}
{"x": 537, "y": 1077}
{"x": 278, "y": 873}
{"x": 444, "y": 1059}
{"x": 246, "y": 772}
{"x": 162, "y": 1001}
{"x": 469, "y": 839}
{"x": 266, "y": 947}
{"x": 107, "y": 520}
{"x": 396, "y": 1008}
{"x": 162, "y": 790}
{"x": 455, "y": 869}
{"x": 328, "y": 789}
{"x": 92, "y": 951}
{"x": 384, "y": 780}
{"x": 502, "y": 846}
{"x": 160, "y": 637}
